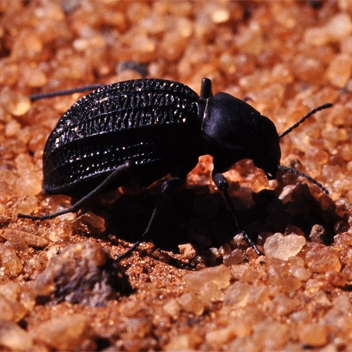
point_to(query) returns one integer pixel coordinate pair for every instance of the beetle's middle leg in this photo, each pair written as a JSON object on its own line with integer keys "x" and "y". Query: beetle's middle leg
{"x": 222, "y": 184}
{"x": 166, "y": 187}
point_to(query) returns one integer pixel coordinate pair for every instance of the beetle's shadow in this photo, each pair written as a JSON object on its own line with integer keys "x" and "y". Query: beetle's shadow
{"x": 203, "y": 219}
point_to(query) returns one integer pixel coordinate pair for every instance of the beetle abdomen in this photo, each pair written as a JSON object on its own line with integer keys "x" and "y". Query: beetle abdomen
{"x": 152, "y": 122}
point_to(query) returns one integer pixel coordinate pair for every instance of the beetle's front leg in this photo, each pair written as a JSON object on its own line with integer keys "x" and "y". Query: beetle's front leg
{"x": 222, "y": 183}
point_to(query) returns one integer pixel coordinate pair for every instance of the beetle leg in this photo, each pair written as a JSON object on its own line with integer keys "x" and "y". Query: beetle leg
{"x": 124, "y": 168}
{"x": 60, "y": 93}
{"x": 166, "y": 187}
{"x": 222, "y": 184}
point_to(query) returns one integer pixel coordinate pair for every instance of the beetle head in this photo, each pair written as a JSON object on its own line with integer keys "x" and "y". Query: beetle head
{"x": 233, "y": 130}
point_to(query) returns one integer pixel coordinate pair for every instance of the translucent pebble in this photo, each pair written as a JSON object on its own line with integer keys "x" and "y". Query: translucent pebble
{"x": 182, "y": 342}
{"x": 300, "y": 273}
{"x": 281, "y": 73}
{"x": 322, "y": 259}
{"x": 32, "y": 240}
{"x": 279, "y": 276}
{"x": 219, "y": 275}
{"x": 270, "y": 335}
{"x": 237, "y": 295}
{"x": 29, "y": 184}
{"x": 329, "y": 173}
{"x": 172, "y": 307}
{"x": 19, "y": 106}
{"x": 339, "y": 27}
{"x": 234, "y": 258}
{"x": 34, "y": 77}
{"x": 14, "y": 338}
{"x": 307, "y": 68}
{"x": 283, "y": 247}
{"x": 317, "y": 154}
{"x": 27, "y": 204}
{"x": 317, "y": 36}
{"x": 346, "y": 45}
{"x": 282, "y": 305}
{"x": 339, "y": 70}
{"x": 211, "y": 293}
{"x": 9, "y": 261}
{"x": 64, "y": 333}
{"x": 191, "y": 303}
{"x": 313, "y": 334}
{"x": 250, "y": 42}
{"x": 243, "y": 344}
{"x": 175, "y": 51}
{"x": 220, "y": 336}
{"x": 12, "y": 128}
{"x": 259, "y": 294}
{"x": 334, "y": 278}
{"x": 220, "y": 15}
{"x": 6, "y": 309}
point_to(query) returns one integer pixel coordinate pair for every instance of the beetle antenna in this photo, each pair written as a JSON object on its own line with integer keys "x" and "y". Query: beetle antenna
{"x": 305, "y": 117}
{"x": 300, "y": 173}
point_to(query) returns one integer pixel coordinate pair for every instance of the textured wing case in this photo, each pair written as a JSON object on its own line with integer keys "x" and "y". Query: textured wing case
{"x": 152, "y": 122}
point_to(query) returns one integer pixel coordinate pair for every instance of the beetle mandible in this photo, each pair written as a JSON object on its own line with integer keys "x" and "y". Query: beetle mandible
{"x": 142, "y": 130}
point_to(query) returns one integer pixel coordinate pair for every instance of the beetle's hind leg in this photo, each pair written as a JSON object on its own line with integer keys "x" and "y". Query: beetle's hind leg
{"x": 222, "y": 183}
{"x": 124, "y": 168}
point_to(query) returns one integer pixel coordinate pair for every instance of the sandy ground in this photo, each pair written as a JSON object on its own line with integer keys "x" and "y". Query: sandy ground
{"x": 196, "y": 285}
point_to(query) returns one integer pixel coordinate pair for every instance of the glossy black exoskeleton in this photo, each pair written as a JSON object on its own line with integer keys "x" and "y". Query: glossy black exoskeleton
{"x": 144, "y": 129}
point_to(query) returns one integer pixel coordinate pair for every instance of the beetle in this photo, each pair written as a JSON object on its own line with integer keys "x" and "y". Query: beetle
{"x": 142, "y": 130}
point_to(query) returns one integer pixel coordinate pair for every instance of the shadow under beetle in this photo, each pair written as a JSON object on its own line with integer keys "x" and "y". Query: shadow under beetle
{"x": 142, "y": 130}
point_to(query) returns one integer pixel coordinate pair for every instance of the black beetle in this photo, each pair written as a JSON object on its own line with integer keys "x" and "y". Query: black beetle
{"x": 144, "y": 129}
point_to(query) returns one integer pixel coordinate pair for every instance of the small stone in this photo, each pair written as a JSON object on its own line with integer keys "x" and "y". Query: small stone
{"x": 20, "y": 105}
{"x": 64, "y": 333}
{"x": 172, "y": 307}
{"x": 10, "y": 262}
{"x": 13, "y": 337}
{"x": 300, "y": 273}
{"x": 89, "y": 223}
{"x": 210, "y": 292}
{"x": 234, "y": 258}
{"x": 83, "y": 274}
{"x": 318, "y": 234}
{"x": 6, "y": 310}
{"x": 313, "y": 335}
{"x": 339, "y": 70}
{"x": 283, "y": 247}
{"x": 219, "y": 275}
{"x": 339, "y": 27}
{"x": 191, "y": 303}
{"x": 220, "y": 336}
{"x": 220, "y": 15}
{"x": 12, "y": 128}
{"x": 237, "y": 295}
{"x": 32, "y": 240}
{"x": 322, "y": 259}
{"x": 187, "y": 250}
{"x": 270, "y": 335}
{"x": 282, "y": 305}
{"x": 316, "y": 36}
